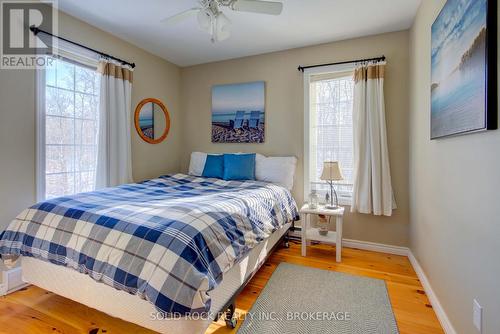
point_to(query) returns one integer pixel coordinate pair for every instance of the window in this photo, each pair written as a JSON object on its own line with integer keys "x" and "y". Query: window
{"x": 68, "y": 103}
{"x": 330, "y": 129}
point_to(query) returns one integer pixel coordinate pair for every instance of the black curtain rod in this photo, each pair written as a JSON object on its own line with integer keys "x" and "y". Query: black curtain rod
{"x": 302, "y": 68}
{"x": 36, "y": 30}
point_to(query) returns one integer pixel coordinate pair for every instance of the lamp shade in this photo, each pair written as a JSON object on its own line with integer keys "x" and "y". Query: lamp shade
{"x": 331, "y": 171}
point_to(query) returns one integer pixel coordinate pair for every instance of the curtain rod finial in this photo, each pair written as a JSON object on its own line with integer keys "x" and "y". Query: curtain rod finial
{"x": 34, "y": 29}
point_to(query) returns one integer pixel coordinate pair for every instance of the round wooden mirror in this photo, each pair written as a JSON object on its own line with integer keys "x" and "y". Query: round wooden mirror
{"x": 152, "y": 120}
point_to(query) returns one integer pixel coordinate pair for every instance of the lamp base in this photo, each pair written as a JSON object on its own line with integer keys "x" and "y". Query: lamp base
{"x": 331, "y": 207}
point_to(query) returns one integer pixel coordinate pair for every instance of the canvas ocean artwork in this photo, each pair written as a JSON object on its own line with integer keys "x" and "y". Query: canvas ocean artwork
{"x": 238, "y": 113}
{"x": 459, "y": 68}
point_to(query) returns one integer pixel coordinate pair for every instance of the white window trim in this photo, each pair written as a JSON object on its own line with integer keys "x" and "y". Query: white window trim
{"x": 40, "y": 134}
{"x": 76, "y": 54}
{"x": 343, "y": 200}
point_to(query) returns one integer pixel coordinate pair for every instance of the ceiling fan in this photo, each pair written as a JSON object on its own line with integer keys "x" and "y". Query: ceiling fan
{"x": 212, "y": 20}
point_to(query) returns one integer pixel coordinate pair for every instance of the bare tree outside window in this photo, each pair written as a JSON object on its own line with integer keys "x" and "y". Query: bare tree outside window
{"x": 71, "y": 124}
{"x": 332, "y": 130}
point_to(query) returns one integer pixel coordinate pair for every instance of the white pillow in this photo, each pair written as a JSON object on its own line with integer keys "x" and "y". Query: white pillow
{"x": 279, "y": 170}
{"x": 197, "y": 163}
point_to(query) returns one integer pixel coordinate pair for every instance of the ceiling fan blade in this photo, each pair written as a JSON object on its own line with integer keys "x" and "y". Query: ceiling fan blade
{"x": 180, "y": 16}
{"x": 255, "y": 6}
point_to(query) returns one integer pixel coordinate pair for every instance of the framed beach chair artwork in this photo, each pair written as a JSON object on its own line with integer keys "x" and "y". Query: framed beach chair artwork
{"x": 238, "y": 113}
{"x": 253, "y": 122}
{"x": 238, "y": 119}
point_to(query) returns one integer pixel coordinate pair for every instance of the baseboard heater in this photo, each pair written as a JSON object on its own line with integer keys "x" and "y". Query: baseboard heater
{"x": 295, "y": 233}
{"x": 12, "y": 280}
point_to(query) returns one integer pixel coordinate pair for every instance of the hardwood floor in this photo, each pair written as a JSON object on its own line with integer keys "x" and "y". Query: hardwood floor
{"x": 33, "y": 310}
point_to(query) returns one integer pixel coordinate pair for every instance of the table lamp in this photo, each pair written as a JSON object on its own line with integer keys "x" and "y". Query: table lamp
{"x": 332, "y": 172}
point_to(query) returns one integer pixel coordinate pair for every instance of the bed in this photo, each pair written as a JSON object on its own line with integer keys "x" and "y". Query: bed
{"x": 167, "y": 254}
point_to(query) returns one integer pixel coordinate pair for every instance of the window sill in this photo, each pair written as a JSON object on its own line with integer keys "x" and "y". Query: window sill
{"x": 344, "y": 201}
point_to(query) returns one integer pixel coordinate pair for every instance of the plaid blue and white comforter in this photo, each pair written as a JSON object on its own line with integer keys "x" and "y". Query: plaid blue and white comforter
{"x": 168, "y": 240}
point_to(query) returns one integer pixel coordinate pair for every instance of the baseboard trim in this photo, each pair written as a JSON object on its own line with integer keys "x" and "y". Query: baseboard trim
{"x": 8, "y": 286}
{"x": 405, "y": 251}
{"x": 375, "y": 247}
{"x": 3, "y": 289}
{"x": 12, "y": 281}
{"x": 364, "y": 245}
{"x": 436, "y": 305}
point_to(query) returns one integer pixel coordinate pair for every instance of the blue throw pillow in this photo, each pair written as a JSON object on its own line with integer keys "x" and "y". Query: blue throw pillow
{"x": 239, "y": 166}
{"x": 214, "y": 166}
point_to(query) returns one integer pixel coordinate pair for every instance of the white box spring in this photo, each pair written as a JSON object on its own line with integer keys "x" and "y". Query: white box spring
{"x": 81, "y": 288}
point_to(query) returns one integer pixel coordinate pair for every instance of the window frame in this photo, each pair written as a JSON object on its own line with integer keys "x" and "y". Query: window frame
{"x": 308, "y": 73}
{"x": 40, "y": 134}
{"x": 77, "y": 56}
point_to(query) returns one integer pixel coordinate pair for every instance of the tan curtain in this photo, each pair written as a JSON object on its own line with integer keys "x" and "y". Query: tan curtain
{"x": 114, "y": 163}
{"x": 372, "y": 189}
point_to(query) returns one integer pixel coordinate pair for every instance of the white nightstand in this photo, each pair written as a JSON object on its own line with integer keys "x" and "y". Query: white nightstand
{"x": 311, "y": 233}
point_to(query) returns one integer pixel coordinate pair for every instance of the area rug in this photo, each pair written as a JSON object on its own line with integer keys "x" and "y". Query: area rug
{"x": 299, "y": 299}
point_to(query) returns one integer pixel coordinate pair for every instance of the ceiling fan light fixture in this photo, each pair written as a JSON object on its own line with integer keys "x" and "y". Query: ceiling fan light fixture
{"x": 222, "y": 27}
{"x": 204, "y": 20}
{"x": 214, "y": 22}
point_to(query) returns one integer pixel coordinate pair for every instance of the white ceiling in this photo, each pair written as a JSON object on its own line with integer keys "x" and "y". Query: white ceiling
{"x": 302, "y": 23}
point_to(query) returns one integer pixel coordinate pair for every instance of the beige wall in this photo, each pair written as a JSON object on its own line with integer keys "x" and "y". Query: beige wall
{"x": 454, "y": 184}
{"x": 153, "y": 77}
{"x": 284, "y": 115}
